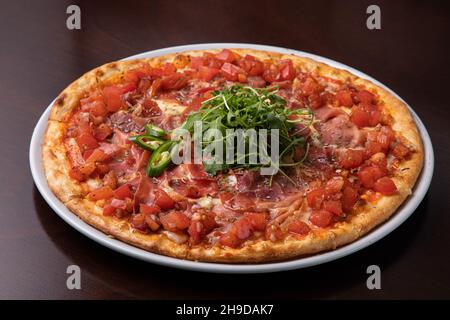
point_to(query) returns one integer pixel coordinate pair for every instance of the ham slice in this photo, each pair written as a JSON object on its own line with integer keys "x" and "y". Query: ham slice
{"x": 336, "y": 128}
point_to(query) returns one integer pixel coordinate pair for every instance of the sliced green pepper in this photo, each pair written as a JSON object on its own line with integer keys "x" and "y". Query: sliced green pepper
{"x": 160, "y": 159}
{"x": 155, "y": 131}
{"x": 147, "y": 142}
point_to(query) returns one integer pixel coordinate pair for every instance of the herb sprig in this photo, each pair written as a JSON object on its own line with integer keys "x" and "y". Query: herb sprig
{"x": 243, "y": 107}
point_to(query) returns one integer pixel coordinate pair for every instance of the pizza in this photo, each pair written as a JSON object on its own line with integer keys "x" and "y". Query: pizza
{"x": 349, "y": 155}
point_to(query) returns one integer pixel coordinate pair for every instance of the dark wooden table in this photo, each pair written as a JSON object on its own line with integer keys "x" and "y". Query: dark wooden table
{"x": 39, "y": 56}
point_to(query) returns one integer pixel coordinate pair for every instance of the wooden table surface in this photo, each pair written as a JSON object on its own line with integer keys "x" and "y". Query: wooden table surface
{"x": 39, "y": 56}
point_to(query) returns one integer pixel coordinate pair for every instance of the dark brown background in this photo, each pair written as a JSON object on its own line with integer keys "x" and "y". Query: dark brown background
{"x": 39, "y": 56}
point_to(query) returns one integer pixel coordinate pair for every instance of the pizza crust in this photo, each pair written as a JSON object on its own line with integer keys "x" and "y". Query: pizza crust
{"x": 366, "y": 218}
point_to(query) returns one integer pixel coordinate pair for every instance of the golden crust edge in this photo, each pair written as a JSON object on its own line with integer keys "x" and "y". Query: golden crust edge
{"x": 262, "y": 251}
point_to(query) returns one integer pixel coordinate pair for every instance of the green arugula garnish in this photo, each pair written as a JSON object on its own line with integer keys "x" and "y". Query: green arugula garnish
{"x": 242, "y": 107}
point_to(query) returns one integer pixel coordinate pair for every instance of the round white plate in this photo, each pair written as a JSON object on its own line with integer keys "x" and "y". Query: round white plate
{"x": 398, "y": 218}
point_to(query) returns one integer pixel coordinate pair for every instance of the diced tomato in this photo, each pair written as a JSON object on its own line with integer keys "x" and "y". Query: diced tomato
{"x": 365, "y": 96}
{"x": 385, "y": 186}
{"x": 231, "y": 72}
{"x": 272, "y": 73}
{"x": 315, "y": 197}
{"x": 109, "y": 210}
{"x": 298, "y": 227}
{"x": 148, "y": 209}
{"x": 360, "y": 117}
{"x": 400, "y": 151}
{"x": 349, "y": 198}
{"x": 113, "y": 98}
{"x": 334, "y": 185}
{"x": 321, "y": 218}
{"x": 86, "y": 141}
{"x": 174, "y": 82}
{"x": 197, "y": 62}
{"x": 96, "y": 156}
{"x": 151, "y": 222}
{"x": 163, "y": 200}
{"x": 310, "y": 86}
{"x": 365, "y": 115}
{"x": 96, "y": 108}
{"x": 123, "y": 192}
{"x": 168, "y": 69}
{"x": 385, "y": 137}
{"x": 333, "y": 206}
{"x": 87, "y": 168}
{"x": 252, "y": 66}
{"x": 230, "y": 240}
{"x": 315, "y": 100}
{"x": 207, "y": 73}
{"x": 110, "y": 180}
{"x": 138, "y": 222}
{"x": 196, "y": 231}
{"x": 128, "y": 87}
{"x": 175, "y": 221}
{"x": 199, "y": 228}
{"x": 379, "y": 159}
{"x": 369, "y": 174}
{"x": 344, "y": 98}
{"x": 258, "y": 221}
{"x": 226, "y": 55}
{"x": 350, "y": 158}
{"x": 101, "y": 193}
{"x": 287, "y": 70}
{"x": 102, "y": 132}
{"x": 242, "y": 228}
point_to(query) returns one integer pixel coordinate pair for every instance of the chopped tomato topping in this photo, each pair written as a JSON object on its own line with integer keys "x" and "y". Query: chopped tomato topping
{"x": 231, "y": 72}
{"x": 252, "y": 66}
{"x": 298, "y": 227}
{"x": 175, "y": 221}
{"x": 365, "y": 96}
{"x": 229, "y": 240}
{"x": 110, "y": 180}
{"x": 226, "y": 55}
{"x": 365, "y": 115}
{"x": 272, "y": 73}
{"x": 310, "y": 86}
{"x": 113, "y": 98}
{"x": 287, "y": 70}
{"x": 123, "y": 192}
{"x": 349, "y": 198}
{"x": 344, "y": 98}
{"x": 369, "y": 174}
{"x": 385, "y": 186}
{"x": 207, "y": 73}
{"x": 274, "y": 233}
{"x": 163, "y": 200}
{"x": 86, "y": 141}
{"x": 334, "y": 185}
{"x": 197, "y": 62}
{"x": 321, "y": 218}
{"x": 258, "y": 221}
{"x": 199, "y": 228}
{"x": 350, "y": 158}
{"x": 138, "y": 222}
{"x": 101, "y": 193}
{"x": 400, "y": 151}
{"x": 148, "y": 210}
{"x": 315, "y": 197}
{"x": 168, "y": 69}
{"x": 333, "y": 206}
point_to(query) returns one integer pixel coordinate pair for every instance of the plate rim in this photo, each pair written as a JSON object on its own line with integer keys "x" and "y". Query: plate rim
{"x": 403, "y": 213}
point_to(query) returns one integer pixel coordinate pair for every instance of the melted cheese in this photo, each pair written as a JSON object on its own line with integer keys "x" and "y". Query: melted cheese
{"x": 170, "y": 107}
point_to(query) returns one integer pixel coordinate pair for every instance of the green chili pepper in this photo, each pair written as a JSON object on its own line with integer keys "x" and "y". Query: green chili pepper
{"x": 147, "y": 142}
{"x": 159, "y": 160}
{"x": 154, "y": 130}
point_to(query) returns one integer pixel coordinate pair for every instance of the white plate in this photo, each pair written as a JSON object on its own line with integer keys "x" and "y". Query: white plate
{"x": 402, "y": 214}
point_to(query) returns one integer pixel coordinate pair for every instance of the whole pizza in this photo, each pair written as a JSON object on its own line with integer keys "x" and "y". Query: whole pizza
{"x": 349, "y": 154}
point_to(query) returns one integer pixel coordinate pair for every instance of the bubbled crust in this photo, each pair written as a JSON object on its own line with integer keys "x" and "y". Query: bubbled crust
{"x": 360, "y": 222}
